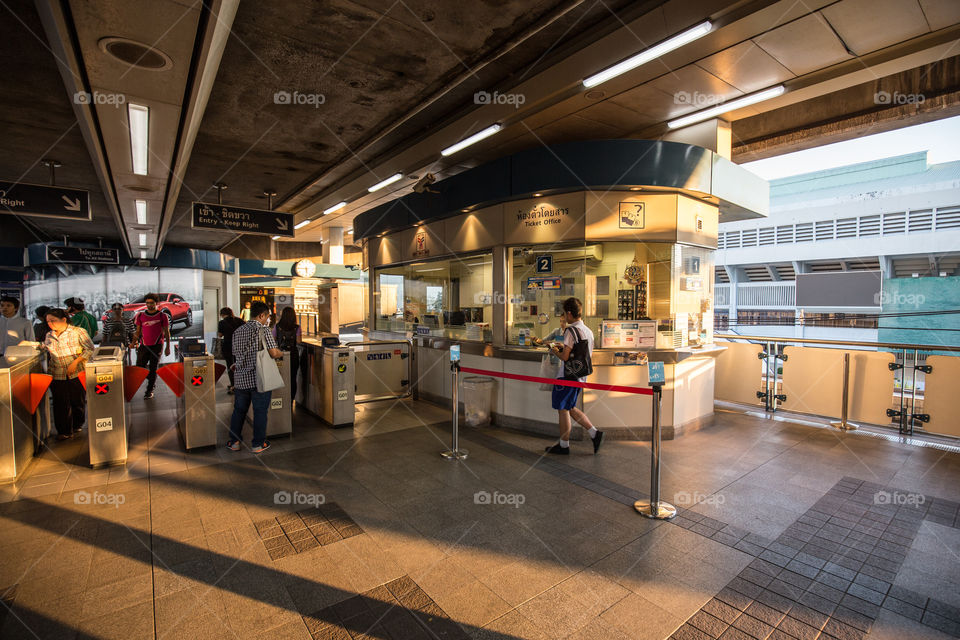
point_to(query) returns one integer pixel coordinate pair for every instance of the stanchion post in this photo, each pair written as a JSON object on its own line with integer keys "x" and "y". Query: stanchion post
{"x": 843, "y": 425}
{"x": 455, "y": 452}
{"x": 654, "y": 507}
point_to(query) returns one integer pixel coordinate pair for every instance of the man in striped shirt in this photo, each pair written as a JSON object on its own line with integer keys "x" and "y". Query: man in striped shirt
{"x": 117, "y": 328}
{"x": 68, "y": 348}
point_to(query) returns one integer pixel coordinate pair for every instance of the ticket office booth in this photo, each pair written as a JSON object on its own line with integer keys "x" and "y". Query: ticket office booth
{"x": 492, "y": 279}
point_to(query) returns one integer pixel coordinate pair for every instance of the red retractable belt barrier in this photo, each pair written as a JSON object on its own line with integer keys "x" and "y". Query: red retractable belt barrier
{"x": 563, "y": 383}
{"x": 133, "y": 377}
{"x": 172, "y": 375}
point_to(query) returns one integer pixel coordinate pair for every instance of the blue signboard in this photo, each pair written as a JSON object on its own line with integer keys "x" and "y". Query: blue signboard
{"x": 545, "y": 263}
{"x": 655, "y": 373}
{"x": 454, "y": 353}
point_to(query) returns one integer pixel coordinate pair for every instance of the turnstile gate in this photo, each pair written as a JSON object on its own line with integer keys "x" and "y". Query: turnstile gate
{"x": 280, "y": 414}
{"x": 197, "y": 421}
{"x": 338, "y": 384}
{"x": 22, "y": 389}
{"x": 106, "y": 407}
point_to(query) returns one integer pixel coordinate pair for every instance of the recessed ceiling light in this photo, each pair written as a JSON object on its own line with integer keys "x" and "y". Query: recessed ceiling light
{"x": 647, "y": 55}
{"x": 141, "y": 211}
{"x": 466, "y": 142}
{"x": 706, "y": 114}
{"x": 135, "y": 54}
{"x": 143, "y": 254}
{"x": 383, "y": 183}
{"x": 537, "y": 195}
{"x": 138, "y": 118}
{"x": 301, "y": 225}
{"x": 143, "y": 239}
{"x": 274, "y": 237}
{"x": 636, "y": 188}
{"x": 336, "y": 207}
{"x": 350, "y": 231}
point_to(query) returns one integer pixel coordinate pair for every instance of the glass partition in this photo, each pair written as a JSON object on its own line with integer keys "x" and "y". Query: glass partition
{"x": 644, "y": 295}
{"x": 445, "y": 298}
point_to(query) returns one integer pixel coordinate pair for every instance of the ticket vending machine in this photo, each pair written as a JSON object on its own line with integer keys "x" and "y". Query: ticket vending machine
{"x": 198, "y": 405}
{"x": 106, "y": 407}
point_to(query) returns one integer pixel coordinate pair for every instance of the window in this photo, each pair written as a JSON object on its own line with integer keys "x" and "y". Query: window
{"x": 445, "y": 298}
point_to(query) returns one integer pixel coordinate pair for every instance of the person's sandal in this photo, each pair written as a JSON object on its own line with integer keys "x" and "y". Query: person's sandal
{"x": 233, "y": 445}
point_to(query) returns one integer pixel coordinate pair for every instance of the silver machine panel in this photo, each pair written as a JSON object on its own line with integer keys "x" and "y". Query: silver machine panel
{"x": 329, "y": 383}
{"x": 383, "y": 370}
{"x": 280, "y": 415}
{"x": 197, "y": 419}
{"x": 18, "y": 427}
{"x": 106, "y": 408}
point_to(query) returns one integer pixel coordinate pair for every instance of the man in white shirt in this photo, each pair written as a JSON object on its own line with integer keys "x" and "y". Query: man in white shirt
{"x": 13, "y": 328}
{"x": 565, "y": 398}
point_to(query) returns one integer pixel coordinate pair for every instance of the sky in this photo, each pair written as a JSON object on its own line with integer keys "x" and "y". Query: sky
{"x": 941, "y": 139}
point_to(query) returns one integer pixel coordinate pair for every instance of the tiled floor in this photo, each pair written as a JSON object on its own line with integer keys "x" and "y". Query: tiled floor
{"x": 382, "y": 538}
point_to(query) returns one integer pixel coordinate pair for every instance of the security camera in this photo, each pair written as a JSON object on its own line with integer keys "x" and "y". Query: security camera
{"x": 423, "y": 184}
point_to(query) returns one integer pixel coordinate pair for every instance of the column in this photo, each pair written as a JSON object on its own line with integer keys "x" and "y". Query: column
{"x": 332, "y": 245}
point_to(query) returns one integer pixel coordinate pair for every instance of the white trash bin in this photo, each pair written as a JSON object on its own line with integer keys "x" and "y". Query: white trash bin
{"x": 477, "y": 400}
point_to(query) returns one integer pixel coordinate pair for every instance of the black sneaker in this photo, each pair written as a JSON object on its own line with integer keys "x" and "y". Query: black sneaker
{"x": 597, "y": 439}
{"x": 148, "y": 395}
{"x": 563, "y": 451}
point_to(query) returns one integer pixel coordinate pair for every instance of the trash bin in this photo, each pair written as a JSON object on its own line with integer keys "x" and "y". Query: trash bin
{"x": 477, "y": 400}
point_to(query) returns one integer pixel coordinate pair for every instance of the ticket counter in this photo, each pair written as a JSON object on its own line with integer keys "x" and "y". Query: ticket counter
{"x": 634, "y": 242}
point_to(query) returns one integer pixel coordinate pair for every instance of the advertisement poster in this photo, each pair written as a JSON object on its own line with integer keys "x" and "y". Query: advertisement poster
{"x": 180, "y": 292}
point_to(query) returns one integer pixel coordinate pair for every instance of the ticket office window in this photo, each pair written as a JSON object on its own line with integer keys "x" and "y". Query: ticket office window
{"x": 541, "y": 278}
{"x": 445, "y": 298}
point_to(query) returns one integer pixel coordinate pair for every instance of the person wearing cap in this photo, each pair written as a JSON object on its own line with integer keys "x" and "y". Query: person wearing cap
{"x": 79, "y": 317}
{"x": 117, "y": 329}
{"x": 14, "y": 329}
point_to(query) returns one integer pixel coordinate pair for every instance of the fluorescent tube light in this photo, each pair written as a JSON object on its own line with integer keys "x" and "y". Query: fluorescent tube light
{"x": 706, "y": 114}
{"x": 141, "y": 211}
{"x": 143, "y": 254}
{"x": 301, "y": 225}
{"x": 381, "y": 185}
{"x": 139, "y": 121}
{"x": 143, "y": 239}
{"x": 647, "y": 55}
{"x": 336, "y": 207}
{"x": 426, "y": 270}
{"x": 350, "y": 231}
{"x": 274, "y": 237}
{"x": 466, "y": 142}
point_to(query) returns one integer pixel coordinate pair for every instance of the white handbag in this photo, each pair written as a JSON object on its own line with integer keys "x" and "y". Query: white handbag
{"x": 268, "y": 373}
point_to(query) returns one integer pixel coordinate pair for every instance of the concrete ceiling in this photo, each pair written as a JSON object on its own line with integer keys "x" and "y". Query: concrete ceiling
{"x": 395, "y": 82}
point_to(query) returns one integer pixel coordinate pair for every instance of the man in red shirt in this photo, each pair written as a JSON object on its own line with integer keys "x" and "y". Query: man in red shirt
{"x": 153, "y": 330}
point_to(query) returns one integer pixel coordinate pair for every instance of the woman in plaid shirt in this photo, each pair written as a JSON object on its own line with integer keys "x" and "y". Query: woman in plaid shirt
{"x": 68, "y": 348}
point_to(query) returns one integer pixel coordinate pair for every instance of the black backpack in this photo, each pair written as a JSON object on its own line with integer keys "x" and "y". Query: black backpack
{"x": 287, "y": 338}
{"x": 578, "y": 365}
{"x": 115, "y": 333}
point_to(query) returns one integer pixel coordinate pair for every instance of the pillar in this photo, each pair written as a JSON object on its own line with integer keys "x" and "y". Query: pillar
{"x": 332, "y": 245}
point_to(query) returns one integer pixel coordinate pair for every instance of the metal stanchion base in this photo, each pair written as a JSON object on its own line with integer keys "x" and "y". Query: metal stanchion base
{"x": 459, "y": 454}
{"x": 664, "y": 510}
{"x": 844, "y": 426}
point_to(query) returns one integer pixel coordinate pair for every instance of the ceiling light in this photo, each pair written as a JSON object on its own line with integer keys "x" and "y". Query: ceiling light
{"x": 706, "y": 114}
{"x": 426, "y": 270}
{"x": 466, "y": 142}
{"x": 141, "y": 211}
{"x": 537, "y": 195}
{"x": 143, "y": 254}
{"x": 636, "y": 188}
{"x": 336, "y": 207}
{"x": 381, "y": 185}
{"x": 139, "y": 121}
{"x": 350, "y": 231}
{"x": 143, "y": 239}
{"x": 647, "y": 55}
{"x": 301, "y": 225}
{"x": 274, "y": 237}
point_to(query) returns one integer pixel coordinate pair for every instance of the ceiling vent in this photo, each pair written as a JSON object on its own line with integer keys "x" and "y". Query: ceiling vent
{"x": 136, "y": 54}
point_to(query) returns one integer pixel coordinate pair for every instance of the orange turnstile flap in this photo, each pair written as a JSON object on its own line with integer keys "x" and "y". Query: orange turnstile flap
{"x": 83, "y": 378}
{"x": 218, "y": 371}
{"x": 133, "y": 377}
{"x": 172, "y": 375}
{"x": 39, "y": 383}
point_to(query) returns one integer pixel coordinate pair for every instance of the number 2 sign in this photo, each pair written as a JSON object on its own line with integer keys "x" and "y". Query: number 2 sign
{"x": 545, "y": 264}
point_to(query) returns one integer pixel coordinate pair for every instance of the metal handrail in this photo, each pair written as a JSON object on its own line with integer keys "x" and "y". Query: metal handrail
{"x": 409, "y": 344}
{"x": 906, "y": 419}
{"x": 845, "y": 343}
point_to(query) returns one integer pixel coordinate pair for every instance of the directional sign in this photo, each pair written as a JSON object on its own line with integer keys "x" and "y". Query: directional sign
{"x": 36, "y": 200}
{"x": 82, "y": 255}
{"x": 218, "y": 217}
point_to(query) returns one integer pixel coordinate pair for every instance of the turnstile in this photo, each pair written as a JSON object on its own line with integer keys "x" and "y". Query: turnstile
{"x": 337, "y": 386}
{"x": 197, "y": 421}
{"x": 106, "y": 408}
{"x": 19, "y": 422}
{"x": 329, "y": 382}
{"x": 280, "y": 415}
